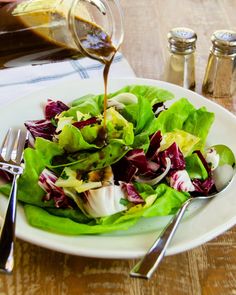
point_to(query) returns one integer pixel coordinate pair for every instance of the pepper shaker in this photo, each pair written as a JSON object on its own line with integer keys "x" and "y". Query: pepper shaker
{"x": 220, "y": 75}
{"x": 180, "y": 67}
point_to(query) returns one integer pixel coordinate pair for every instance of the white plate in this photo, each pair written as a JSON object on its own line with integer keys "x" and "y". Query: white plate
{"x": 202, "y": 223}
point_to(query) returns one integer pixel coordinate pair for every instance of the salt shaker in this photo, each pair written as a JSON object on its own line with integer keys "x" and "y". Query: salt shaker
{"x": 180, "y": 67}
{"x": 220, "y": 75}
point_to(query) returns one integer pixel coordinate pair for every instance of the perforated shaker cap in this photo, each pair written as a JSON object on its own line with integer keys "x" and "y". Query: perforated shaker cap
{"x": 182, "y": 40}
{"x": 224, "y": 41}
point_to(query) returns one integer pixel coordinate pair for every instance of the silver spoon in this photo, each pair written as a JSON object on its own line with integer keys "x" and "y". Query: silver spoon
{"x": 148, "y": 264}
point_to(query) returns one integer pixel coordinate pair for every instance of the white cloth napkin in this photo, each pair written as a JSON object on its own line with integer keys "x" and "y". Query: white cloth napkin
{"x": 17, "y": 82}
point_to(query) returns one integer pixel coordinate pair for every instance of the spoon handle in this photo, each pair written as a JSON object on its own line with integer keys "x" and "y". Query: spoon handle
{"x": 148, "y": 264}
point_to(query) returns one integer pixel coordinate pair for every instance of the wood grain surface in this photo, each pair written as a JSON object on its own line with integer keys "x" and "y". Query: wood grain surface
{"x": 209, "y": 269}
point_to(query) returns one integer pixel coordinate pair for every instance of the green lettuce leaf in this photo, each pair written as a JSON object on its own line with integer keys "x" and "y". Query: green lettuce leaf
{"x": 195, "y": 167}
{"x": 167, "y": 202}
{"x": 75, "y": 215}
{"x": 87, "y": 161}
{"x": 140, "y": 114}
{"x": 119, "y": 128}
{"x": 42, "y": 219}
{"x": 186, "y": 141}
{"x": 141, "y": 141}
{"x": 174, "y": 117}
{"x": 90, "y": 132}
{"x": 93, "y": 104}
{"x": 71, "y": 139}
{"x": 152, "y": 93}
{"x": 88, "y": 104}
{"x": 182, "y": 115}
{"x": 199, "y": 123}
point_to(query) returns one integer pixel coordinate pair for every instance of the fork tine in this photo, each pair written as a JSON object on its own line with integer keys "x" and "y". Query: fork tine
{"x": 15, "y": 143}
{"x": 6, "y": 145}
{"x": 18, "y": 147}
{"x": 21, "y": 140}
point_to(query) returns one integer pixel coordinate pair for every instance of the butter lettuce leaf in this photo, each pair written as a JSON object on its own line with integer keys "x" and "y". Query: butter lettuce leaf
{"x": 199, "y": 123}
{"x": 167, "y": 202}
{"x": 182, "y": 115}
{"x": 71, "y": 140}
{"x": 186, "y": 141}
{"x": 93, "y": 104}
{"x": 88, "y": 104}
{"x": 195, "y": 167}
{"x": 87, "y": 161}
{"x": 152, "y": 93}
{"x": 40, "y": 218}
{"x": 140, "y": 114}
{"x": 141, "y": 141}
{"x": 174, "y": 117}
{"x": 119, "y": 128}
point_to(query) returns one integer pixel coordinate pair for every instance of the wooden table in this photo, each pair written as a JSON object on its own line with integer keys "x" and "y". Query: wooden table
{"x": 209, "y": 269}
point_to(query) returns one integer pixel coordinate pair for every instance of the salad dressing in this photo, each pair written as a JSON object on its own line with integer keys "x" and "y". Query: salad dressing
{"x": 101, "y": 139}
{"x": 102, "y": 133}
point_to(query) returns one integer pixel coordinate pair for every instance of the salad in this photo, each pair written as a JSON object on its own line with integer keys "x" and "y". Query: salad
{"x": 86, "y": 176}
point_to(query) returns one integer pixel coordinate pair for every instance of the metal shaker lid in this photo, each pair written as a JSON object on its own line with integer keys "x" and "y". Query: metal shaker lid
{"x": 224, "y": 41}
{"x": 182, "y": 40}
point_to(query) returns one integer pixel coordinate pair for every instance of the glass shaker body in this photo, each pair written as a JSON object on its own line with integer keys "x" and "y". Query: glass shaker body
{"x": 180, "y": 70}
{"x": 220, "y": 75}
{"x": 39, "y": 31}
{"x": 180, "y": 66}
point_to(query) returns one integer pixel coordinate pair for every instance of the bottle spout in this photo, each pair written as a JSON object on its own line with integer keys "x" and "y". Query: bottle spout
{"x": 100, "y": 6}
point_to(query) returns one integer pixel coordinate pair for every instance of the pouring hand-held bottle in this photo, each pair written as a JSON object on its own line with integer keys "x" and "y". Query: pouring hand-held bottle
{"x": 41, "y": 31}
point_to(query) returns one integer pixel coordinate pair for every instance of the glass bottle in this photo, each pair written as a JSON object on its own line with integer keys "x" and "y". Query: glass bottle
{"x": 180, "y": 66}
{"x": 220, "y": 75}
{"x": 39, "y": 31}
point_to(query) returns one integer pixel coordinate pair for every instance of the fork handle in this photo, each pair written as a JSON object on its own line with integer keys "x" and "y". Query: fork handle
{"x": 146, "y": 267}
{"x": 7, "y": 236}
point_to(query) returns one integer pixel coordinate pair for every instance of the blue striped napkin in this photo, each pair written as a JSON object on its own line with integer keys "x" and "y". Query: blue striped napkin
{"x": 17, "y": 82}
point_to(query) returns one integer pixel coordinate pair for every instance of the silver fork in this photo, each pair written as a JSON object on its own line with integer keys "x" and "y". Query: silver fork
{"x": 11, "y": 153}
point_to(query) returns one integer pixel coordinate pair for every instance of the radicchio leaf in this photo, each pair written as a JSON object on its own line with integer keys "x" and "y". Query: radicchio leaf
{"x": 135, "y": 163}
{"x": 103, "y": 201}
{"x": 155, "y": 141}
{"x": 138, "y": 159}
{"x": 6, "y": 176}
{"x": 41, "y": 128}
{"x": 181, "y": 181}
{"x": 123, "y": 170}
{"x": 132, "y": 194}
{"x": 157, "y": 179}
{"x": 157, "y": 106}
{"x": 204, "y": 187}
{"x": 54, "y": 108}
{"x": 175, "y": 155}
{"x": 82, "y": 124}
{"x": 47, "y": 181}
